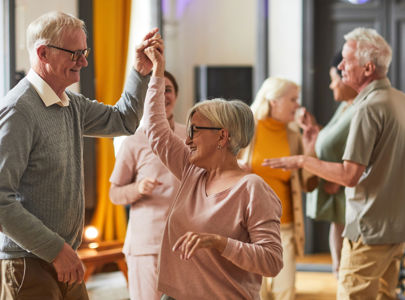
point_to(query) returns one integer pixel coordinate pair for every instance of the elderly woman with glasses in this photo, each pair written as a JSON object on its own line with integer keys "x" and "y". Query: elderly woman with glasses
{"x": 223, "y": 229}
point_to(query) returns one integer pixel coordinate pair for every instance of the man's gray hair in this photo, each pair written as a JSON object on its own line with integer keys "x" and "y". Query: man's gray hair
{"x": 234, "y": 116}
{"x": 49, "y": 29}
{"x": 371, "y": 46}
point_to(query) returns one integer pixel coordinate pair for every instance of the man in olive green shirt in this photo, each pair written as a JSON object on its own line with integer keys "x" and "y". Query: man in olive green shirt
{"x": 372, "y": 169}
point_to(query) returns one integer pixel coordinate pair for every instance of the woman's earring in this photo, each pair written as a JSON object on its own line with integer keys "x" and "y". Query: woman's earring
{"x": 219, "y": 147}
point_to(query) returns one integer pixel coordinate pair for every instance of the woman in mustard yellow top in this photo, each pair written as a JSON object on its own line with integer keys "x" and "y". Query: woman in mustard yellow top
{"x": 274, "y": 111}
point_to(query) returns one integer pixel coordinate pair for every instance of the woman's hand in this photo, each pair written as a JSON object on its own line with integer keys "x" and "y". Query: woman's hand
{"x": 285, "y": 163}
{"x": 155, "y": 55}
{"x": 331, "y": 188}
{"x": 147, "y": 185}
{"x": 310, "y": 130}
{"x": 305, "y": 118}
{"x": 190, "y": 242}
{"x": 309, "y": 137}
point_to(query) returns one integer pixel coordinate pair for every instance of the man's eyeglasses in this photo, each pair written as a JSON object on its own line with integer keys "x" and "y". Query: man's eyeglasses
{"x": 75, "y": 54}
{"x": 191, "y": 129}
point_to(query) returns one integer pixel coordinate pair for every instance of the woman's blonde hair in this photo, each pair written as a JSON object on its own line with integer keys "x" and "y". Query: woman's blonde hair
{"x": 234, "y": 116}
{"x": 271, "y": 89}
{"x": 49, "y": 29}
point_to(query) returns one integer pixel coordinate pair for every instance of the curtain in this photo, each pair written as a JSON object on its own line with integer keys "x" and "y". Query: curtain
{"x": 111, "y": 33}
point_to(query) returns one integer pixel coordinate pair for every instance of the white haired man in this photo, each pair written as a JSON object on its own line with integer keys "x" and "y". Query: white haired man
{"x": 372, "y": 169}
{"x": 41, "y": 144}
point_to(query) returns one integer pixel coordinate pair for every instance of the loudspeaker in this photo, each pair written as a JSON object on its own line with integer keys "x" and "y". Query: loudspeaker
{"x": 228, "y": 82}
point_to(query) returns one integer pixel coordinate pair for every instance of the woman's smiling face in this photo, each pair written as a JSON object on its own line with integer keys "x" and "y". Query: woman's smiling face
{"x": 204, "y": 142}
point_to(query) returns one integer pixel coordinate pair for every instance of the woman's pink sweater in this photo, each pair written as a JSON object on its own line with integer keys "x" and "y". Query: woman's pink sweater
{"x": 248, "y": 214}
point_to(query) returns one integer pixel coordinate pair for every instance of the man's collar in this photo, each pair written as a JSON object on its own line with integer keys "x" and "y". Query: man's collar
{"x": 44, "y": 91}
{"x": 377, "y": 84}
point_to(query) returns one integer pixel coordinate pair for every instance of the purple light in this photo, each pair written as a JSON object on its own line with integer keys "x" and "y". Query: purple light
{"x": 358, "y": 1}
{"x": 181, "y": 6}
{"x": 165, "y": 7}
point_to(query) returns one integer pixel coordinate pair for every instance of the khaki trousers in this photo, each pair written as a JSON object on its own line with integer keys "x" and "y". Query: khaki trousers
{"x": 34, "y": 279}
{"x": 282, "y": 287}
{"x": 368, "y": 271}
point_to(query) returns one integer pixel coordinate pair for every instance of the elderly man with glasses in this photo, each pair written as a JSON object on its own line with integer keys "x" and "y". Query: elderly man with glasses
{"x": 42, "y": 125}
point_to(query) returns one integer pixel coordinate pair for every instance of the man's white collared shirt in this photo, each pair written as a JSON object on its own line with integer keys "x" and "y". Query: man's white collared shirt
{"x": 44, "y": 91}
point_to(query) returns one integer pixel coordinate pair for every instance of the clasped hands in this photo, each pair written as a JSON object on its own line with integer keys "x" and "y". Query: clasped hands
{"x": 152, "y": 40}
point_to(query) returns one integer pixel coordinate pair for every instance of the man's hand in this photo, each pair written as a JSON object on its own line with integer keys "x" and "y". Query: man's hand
{"x": 68, "y": 265}
{"x": 285, "y": 163}
{"x": 142, "y": 63}
{"x": 190, "y": 242}
{"x": 147, "y": 185}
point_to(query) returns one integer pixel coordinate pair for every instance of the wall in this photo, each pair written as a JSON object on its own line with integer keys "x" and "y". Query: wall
{"x": 285, "y": 39}
{"x": 141, "y": 23}
{"x": 206, "y": 32}
{"x": 202, "y": 32}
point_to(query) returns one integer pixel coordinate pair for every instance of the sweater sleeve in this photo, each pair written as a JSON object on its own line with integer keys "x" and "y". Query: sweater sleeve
{"x": 121, "y": 119}
{"x": 263, "y": 254}
{"x": 165, "y": 144}
{"x": 125, "y": 174}
{"x": 25, "y": 229}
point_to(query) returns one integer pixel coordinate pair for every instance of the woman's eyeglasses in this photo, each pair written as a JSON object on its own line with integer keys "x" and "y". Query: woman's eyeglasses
{"x": 191, "y": 129}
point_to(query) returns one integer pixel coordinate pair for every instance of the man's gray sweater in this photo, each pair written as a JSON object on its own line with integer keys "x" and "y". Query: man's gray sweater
{"x": 41, "y": 164}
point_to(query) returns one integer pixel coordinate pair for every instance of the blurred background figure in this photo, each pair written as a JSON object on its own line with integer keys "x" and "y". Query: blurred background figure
{"x": 141, "y": 180}
{"x": 327, "y": 202}
{"x": 274, "y": 110}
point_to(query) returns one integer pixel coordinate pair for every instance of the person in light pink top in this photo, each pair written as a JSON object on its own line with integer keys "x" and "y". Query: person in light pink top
{"x": 140, "y": 179}
{"x": 223, "y": 229}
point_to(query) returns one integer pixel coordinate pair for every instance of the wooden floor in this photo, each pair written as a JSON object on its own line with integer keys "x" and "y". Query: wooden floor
{"x": 315, "y": 285}
{"x": 309, "y": 285}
